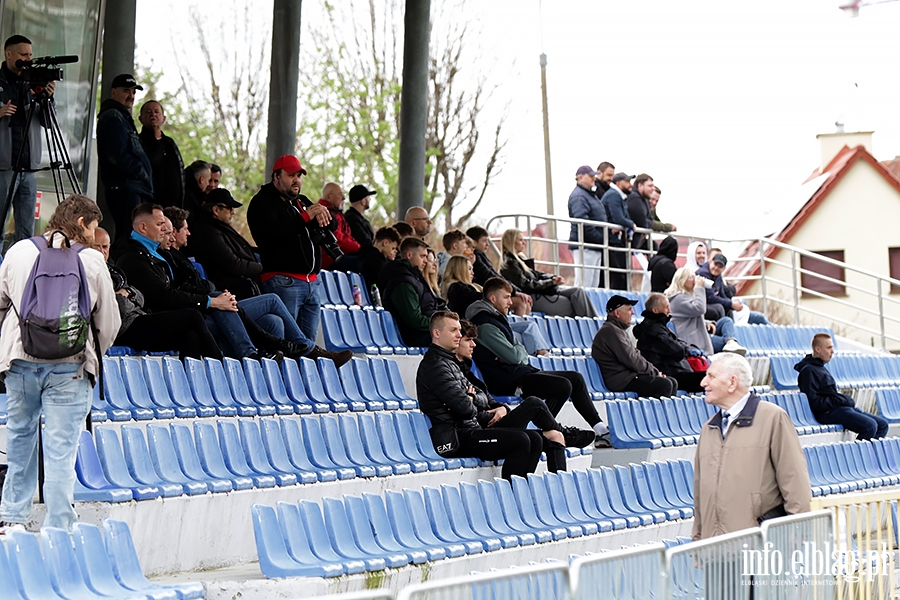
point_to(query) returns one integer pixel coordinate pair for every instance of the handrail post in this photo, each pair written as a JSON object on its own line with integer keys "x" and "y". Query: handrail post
{"x": 581, "y": 270}
{"x": 881, "y": 313}
{"x": 762, "y": 275}
{"x": 605, "y": 282}
{"x": 555, "y": 239}
{"x": 796, "y": 287}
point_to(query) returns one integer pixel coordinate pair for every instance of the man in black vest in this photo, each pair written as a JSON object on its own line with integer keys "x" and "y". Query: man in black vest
{"x": 503, "y": 362}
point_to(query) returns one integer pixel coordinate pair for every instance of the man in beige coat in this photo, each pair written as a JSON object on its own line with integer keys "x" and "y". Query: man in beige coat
{"x": 749, "y": 464}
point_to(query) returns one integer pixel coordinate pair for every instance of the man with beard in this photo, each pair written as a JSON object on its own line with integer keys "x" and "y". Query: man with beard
{"x": 639, "y": 207}
{"x": 196, "y": 184}
{"x": 287, "y": 228}
{"x": 605, "y": 172}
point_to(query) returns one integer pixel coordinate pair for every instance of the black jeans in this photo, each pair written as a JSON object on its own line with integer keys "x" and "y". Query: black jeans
{"x": 648, "y": 386}
{"x": 618, "y": 255}
{"x": 534, "y": 410}
{"x": 688, "y": 381}
{"x": 184, "y": 330}
{"x": 520, "y": 449}
{"x": 555, "y": 387}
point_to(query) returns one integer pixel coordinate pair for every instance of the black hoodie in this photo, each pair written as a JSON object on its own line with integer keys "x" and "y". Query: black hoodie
{"x": 660, "y": 346}
{"x": 662, "y": 265}
{"x": 816, "y": 382}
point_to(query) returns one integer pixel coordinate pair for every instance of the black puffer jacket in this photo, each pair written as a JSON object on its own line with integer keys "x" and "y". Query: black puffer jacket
{"x": 535, "y": 282}
{"x": 816, "y": 382}
{"x": 441, "y": 389}
{"x": 662, "y": 265}
{"x": 484, "y": 270}
{"x": 154, "y": 278}
{"x": 660, "y": 346}
{"x": 482, "y": 400}
{"x": 227, "y": 257}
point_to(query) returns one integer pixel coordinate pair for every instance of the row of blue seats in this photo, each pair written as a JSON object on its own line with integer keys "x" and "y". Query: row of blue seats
{"x": 769, "y": 340}
{"x": 569, "y": 335}
{"x": 148, "y": 388}
{"x": 228, "y": 455}
{"x": 849, "y": 371}
{"x": 887, "y": 401}
{"x": 655, "y": 423}
{"x": 600, "y": 296}
{"x": 848, "y": 466}
{"x": 363, "y": 331}
{"x": 337, "y": 288}
{"x": 589, "y": 370}
{"x": 82, "y": 566}
{"x": 371, "y": 532}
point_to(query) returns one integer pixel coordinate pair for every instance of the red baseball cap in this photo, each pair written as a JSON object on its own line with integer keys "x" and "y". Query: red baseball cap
{"x": 289, "y": 163}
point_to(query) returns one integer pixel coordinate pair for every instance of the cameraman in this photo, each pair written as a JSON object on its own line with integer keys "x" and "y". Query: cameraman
{"x": 286, "y": 226}
{"x": 15, "y": 97}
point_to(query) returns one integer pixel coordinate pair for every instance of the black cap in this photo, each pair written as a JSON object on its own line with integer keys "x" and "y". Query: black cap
{"x": 617, "y": 301}
{"x": 358, "y": 192}
{"x": 720, "y": 259}
{"x": 621, "y": 177}
{"x": 222, "y": 197}
{"x": 125, "y": 81}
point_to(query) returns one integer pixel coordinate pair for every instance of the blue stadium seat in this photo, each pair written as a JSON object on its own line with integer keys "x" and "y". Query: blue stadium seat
{"x": 231, "y": 451}
{"x": 352, "y": 430}
{"x": 138, "y": 391}
{"x": 538, "y": 508}
{"x": 379, "y": 335}
{"x": 145, "y": 470}
{"x": 168, "y": 467}
{"x": 61, "y": 564}
{"x": 277, "y": 453}
{"x": 357, "y": 279}
{"x": 302, "y": 537}
{"x": 130, "y": 468}
{"x": 296, "y": 450}
{"x": 356, "y": 543}
{"x": 229, "y": 387}
{"x": 342, "y": 283}
{"x": 410, "y": 525}
{"x": 362, "y": 369}
{"x": 393, "y": 336}
{"x": 384, "y": 385}
{"x": 322, "y": 539}
{"x": 115, "y": 393}
{"x": 264, "y": 389}
{"x": 199, "y": 384}
{"x": 328, "y": 289}
{"x": 296, "y": 390}
{"x": 212, "y": 459}
{"x": 317, "y": 451}
{"x": 334, "y": 390}
{"x": 274, "y": 560}
{"x": 409, "y": 444}
{"x": 309, "y": 375}
{"x": 27, "y": 566}
{"x": 327, "y": 430}
{"x": 258, "y": 457}
{"x": 94, "y": 482}
{"x": 159, "y": 391}
{"x": 373, "y": 520}
{"x": 331, "y": 331}
{"x": 246, "y": 459}
{"x": 348, "y": 331}
{"x": 189, "y": 459}
{"x": 364, "y": 333}
{"x": 259, "y": 394}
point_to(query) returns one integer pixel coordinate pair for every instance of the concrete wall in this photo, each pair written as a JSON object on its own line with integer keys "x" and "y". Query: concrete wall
{"x": 859, "y": 217}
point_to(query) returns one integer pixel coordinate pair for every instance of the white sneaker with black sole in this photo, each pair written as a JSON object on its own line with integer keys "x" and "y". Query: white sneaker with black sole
{"x": 734, "y": 347}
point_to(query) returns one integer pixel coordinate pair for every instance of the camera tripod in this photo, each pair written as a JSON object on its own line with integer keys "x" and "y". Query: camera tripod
{"x": 56, "y": 148}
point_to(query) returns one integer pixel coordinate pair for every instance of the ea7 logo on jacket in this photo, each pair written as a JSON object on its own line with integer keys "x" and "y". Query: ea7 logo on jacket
{"x": 444, "y": 448}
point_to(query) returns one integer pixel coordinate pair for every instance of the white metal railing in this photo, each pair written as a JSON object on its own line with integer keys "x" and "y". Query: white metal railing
{"x": 620, "y": 575}
{"x": 796, "y": 556}
{"x": 546, "y": 582}
{"x": 872, "y": 307}
{"x": 713, "y": 568}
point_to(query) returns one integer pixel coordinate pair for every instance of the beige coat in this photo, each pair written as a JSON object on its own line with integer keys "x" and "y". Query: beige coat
{"x": 105, "y": 317}
{"x": 758, "y": 467}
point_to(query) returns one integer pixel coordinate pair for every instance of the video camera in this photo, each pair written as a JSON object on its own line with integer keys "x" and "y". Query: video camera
{"x": 43, "y": 70}
{"x": 324, "y": 237}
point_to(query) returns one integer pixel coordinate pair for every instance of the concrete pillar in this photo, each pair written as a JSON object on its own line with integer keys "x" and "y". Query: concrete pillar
{"x": 118, "y": 41}
{"x": 413, "y": 106}
{"x": 285, "y": 72}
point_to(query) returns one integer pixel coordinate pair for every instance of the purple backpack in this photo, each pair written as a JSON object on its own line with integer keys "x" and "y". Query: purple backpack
{"x": 55, "y": 319}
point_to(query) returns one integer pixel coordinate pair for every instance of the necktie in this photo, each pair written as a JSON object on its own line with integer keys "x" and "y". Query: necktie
{"x": 725, "y": 417}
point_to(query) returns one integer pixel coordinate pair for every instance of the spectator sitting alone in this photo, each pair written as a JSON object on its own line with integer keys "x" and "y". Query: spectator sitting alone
{"x": 687, "y": 301}
{"x": 549, "y": 297}
{"x": 407, "y": 295}
{"x": 622, "y": 366}
{"x": 828, "y": 405}
{"x": 661, "y": 347}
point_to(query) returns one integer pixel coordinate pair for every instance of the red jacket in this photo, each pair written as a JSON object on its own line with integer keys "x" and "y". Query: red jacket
{"x": 344, "y": 237}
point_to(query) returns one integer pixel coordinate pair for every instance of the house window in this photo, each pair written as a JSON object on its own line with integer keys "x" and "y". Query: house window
{"x": 817, "y": 284}
{"x": 894, "y": 260}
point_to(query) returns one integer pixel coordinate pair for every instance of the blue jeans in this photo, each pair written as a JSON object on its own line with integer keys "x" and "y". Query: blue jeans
{"x": 65, "y": 399}
{"x": 23, "y": 201}
{"x": 757, "y": 318}
{"x": 529, "y": 335}
{"x": 866, "y": 426}
{"x": 724, "y": 332}
{"x": 230, "y": 333}
{"x": 270, "y": 313}
{"x": 301, "y": 299}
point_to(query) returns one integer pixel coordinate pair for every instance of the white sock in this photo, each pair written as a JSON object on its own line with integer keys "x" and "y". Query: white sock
{"x": 601, "y": 428}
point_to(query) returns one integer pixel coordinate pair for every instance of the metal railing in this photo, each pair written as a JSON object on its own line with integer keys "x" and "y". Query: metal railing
{"x": 620, "y": 575}
{"x": 546, "y": 582}
{"x": 803, "y": 545}
{"x": 865, "y": 543}
{"x": 867, "y": 307}
{"x": 715, "y": 568}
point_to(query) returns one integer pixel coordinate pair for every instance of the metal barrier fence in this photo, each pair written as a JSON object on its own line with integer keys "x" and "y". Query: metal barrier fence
{"x": 865, "y": 543}
{"x": 715, "y": 568}
{"x": 863, "y": 301}
{"x": 795, "y": 555}
{"x": 632, "y": 574}
{"x": 543, "y": 582}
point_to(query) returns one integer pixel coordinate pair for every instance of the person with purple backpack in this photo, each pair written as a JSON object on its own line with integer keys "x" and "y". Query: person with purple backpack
{"x": 58, "y": 315}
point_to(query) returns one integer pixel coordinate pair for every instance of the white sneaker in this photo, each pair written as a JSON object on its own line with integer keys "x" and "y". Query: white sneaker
{"x": 5, "y": 528}
{"x": 733, "y": 346}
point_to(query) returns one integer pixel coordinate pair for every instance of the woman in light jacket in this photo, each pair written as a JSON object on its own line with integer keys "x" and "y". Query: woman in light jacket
{"x": 687, "y": 303}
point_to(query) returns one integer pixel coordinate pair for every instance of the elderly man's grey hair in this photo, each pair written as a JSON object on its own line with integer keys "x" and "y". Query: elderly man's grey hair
{"x": 734, "y": 364}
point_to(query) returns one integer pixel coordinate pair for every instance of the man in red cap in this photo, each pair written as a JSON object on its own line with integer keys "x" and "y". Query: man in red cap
{"x": 287, "y": 228}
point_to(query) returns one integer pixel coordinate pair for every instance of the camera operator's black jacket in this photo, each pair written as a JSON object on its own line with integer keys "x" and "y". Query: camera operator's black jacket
{"x": 123, "y": 162}
{"x": 281, "y": 229}
{"x": 12, "y": 128}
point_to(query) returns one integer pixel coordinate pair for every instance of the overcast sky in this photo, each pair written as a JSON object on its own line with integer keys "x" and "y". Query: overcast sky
{"x": 719, "y": 101}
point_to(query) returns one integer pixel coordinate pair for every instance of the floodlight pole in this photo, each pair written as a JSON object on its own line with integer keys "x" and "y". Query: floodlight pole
{"x": 551, "y": 225}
